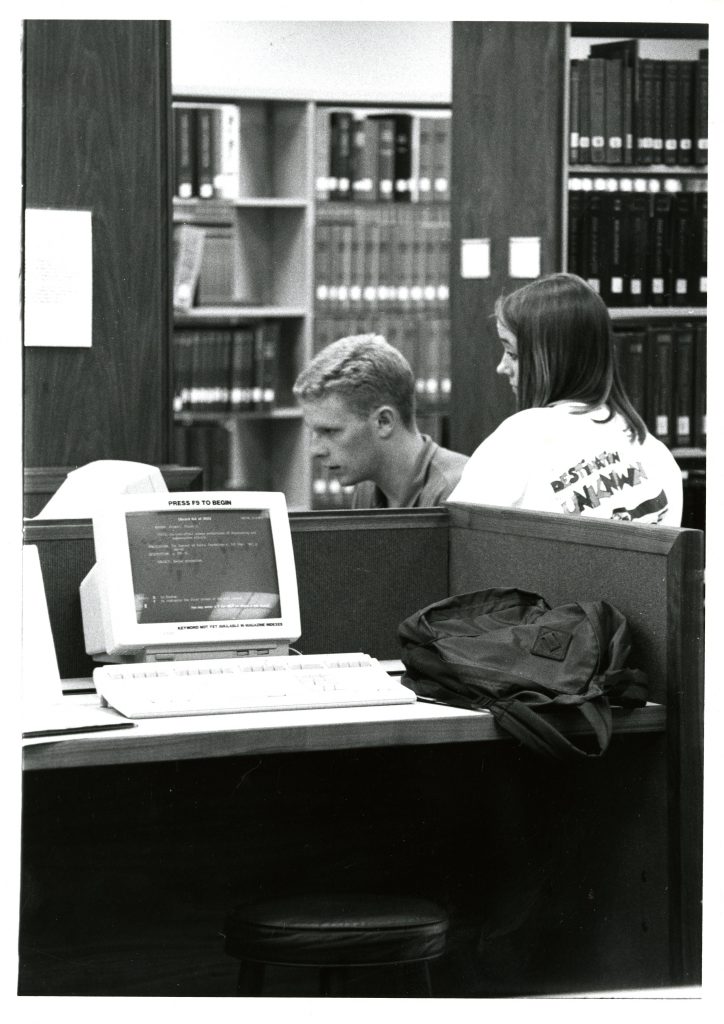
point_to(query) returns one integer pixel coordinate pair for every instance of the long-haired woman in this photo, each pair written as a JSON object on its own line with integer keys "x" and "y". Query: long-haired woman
{"x": 576, "y": 444}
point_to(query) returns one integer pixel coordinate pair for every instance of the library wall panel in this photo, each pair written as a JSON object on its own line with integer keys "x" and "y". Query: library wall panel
{"x": 97, "y": 102}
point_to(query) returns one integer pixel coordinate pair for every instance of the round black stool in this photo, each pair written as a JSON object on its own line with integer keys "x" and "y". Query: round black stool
{"x": 333, "y": 932}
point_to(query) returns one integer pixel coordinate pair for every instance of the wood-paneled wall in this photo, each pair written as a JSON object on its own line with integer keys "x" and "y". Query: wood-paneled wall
{"x": 508, "y": 124}
{"x": 96, "y": 134}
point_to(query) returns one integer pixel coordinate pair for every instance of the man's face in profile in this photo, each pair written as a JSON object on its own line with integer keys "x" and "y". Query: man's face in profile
{"x": 345, "y": 442}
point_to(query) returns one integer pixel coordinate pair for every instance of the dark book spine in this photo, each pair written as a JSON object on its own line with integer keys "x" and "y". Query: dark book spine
{"x": 701, "y": 203}
{"x": 597, "y": 88}
{"x": 645, "y": 113}
{"x": 660, "y": 341}
{"x": 584, "y": 113}
{"x": 206, "y": 126}
{"x": 629, "y": 108}
{"x": 340, "y": 154}
{"x": 268, "y": 364}
{"x": 573, "y": 112}
{"x": 669, "y": 117}
{"x": 365, "y": 161}
{"x": 615, "y": 219}
{"x": 185, "y": 151}
{"x": 685, "y": 113}
{"x": 684, "y": 385}
{"x": 576, "y": 201}
{"x": 240, "y": 370}
{"x": 638, "y": 247}
{"x": 403, "y": 158}
{"x": 361, "y": 184}
{"x": 594, "y": 240}
{"x": 657, "y": 112}
{"x": 614, "y": 111}
{"x": 385, "y": 158}
{"x": 442, "y": 153}
{"x": 221, "y": 371}
{"x": 183, "y": 352}
{"x": 682, "y": 248}
{"x": 426, "y": 169}
{"x": 180, "y": 445}
{"x": 701, "y": 109}
{"x": 630, "y": 348}
{"x": 659, "y": 281}
{"x": 700, "y": 381}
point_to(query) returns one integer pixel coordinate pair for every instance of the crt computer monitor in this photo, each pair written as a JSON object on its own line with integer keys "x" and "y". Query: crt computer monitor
{"x": 190, "y": 575}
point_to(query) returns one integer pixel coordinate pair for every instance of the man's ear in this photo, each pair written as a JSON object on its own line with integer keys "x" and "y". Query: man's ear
{"x": 385, "y": 420}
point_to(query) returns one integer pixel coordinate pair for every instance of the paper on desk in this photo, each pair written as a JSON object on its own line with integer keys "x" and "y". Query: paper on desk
{"x": 57, "y": 719}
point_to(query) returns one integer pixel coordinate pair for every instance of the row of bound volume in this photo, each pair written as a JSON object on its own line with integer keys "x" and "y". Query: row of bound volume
{"x": 207, "y": 155}
{"x": 640, "y": 241}
{"x": 366, "y": 258}
{"x": 626, "y": 109}
{"x": 207, "y": 445}
{"x": 424, "y": 340}
{"x": 230, "y": 369}
{"x": 663, "y": 368}
{"x": 387, "y": 157}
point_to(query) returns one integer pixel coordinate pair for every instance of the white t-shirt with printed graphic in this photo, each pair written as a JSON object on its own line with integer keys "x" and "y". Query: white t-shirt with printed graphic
{"x": 560, "y": 459}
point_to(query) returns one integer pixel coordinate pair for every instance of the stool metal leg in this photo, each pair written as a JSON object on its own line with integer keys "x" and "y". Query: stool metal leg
{"x": 250, "y": 980}
{"x": 428, "y": 977}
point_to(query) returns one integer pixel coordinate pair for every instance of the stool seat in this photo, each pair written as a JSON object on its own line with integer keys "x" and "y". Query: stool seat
{"x": 337, "y": 930}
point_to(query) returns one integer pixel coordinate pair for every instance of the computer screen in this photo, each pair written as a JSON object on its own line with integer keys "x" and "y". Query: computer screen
{"x": 194, "y": 574}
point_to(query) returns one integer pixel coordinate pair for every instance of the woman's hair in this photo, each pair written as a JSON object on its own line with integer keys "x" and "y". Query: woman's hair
{"x": 366, "y": 371}
{"x": 565, "y": 348}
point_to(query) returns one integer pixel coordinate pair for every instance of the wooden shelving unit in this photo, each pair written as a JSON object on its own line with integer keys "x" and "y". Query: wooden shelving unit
{"x": 261, "y": 266}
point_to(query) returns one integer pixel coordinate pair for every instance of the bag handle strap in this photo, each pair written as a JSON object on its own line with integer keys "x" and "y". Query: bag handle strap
{"x": 534, "y": 730}
{"x": 528, "y": 726}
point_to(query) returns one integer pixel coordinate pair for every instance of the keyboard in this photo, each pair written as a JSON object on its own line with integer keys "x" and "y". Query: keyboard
{"x": 217, "y": 686}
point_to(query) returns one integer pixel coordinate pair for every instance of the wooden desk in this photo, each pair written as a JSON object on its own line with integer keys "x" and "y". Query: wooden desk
{"x": 274, "y": 732}
{"x": 165, "y": 825}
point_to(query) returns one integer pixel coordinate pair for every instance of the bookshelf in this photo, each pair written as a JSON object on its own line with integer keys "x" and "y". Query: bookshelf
{"x": 561, "y": 201}
{"x": 243, "y": 321}
{"x": 269, "y": 251}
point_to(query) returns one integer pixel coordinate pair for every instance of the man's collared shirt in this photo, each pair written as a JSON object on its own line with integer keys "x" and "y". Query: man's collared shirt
{"x": 434, "y": 475}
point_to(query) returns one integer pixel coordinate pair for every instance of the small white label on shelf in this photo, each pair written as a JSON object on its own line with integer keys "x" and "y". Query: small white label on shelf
{"x": 475, "y": 258}
{"x": 524, "y": 257}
